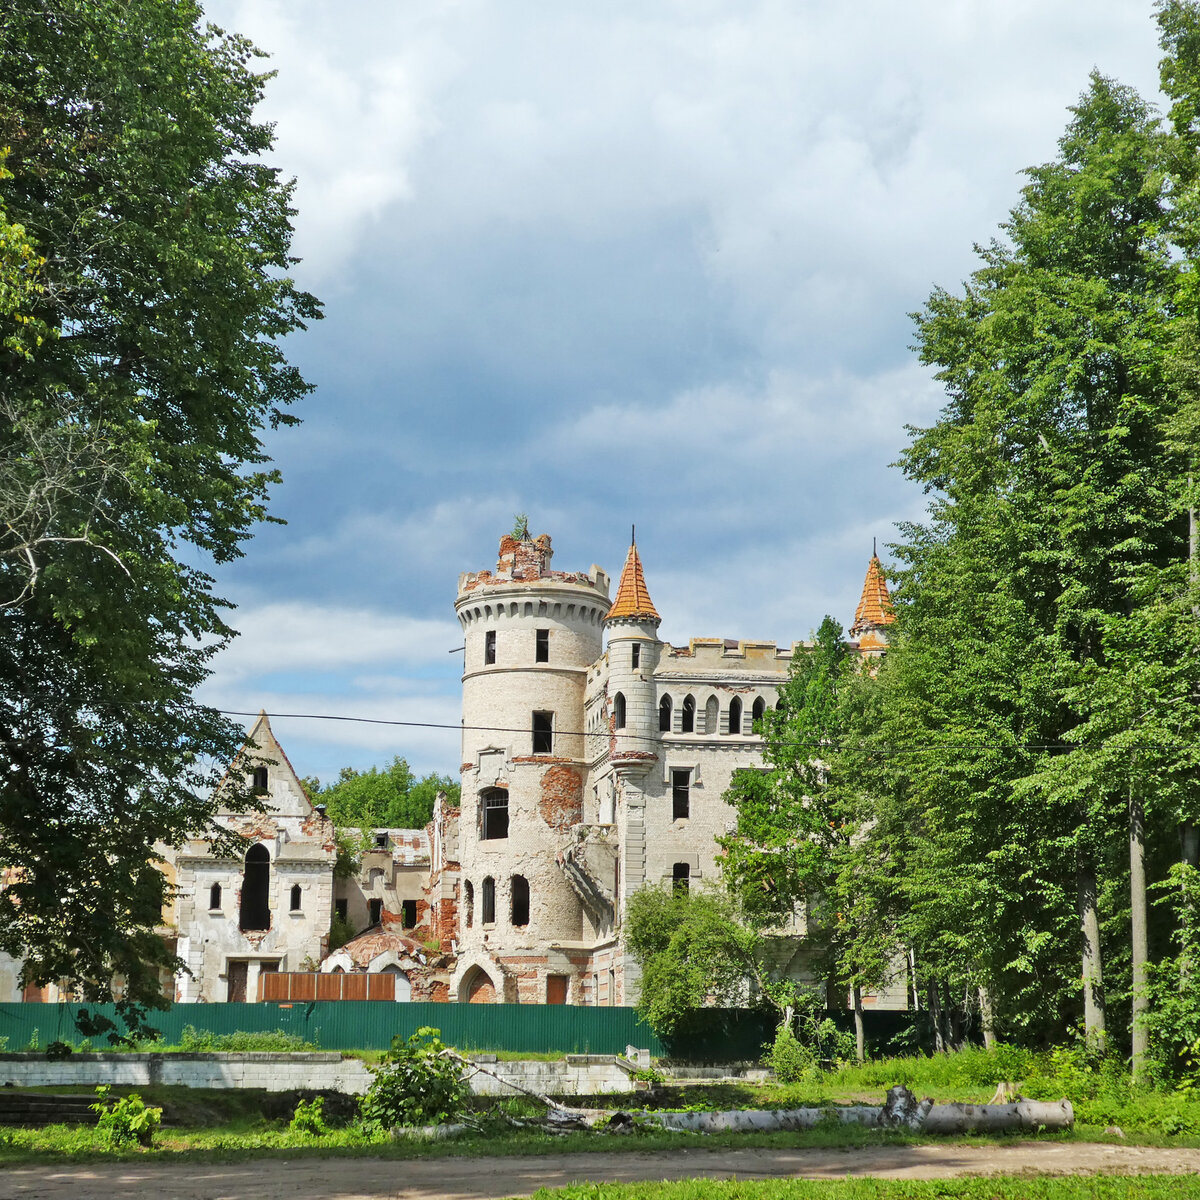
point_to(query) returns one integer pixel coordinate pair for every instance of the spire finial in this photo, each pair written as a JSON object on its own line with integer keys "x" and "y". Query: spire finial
{"x": 633, "y": 535}
{"x": 874, "y": 549}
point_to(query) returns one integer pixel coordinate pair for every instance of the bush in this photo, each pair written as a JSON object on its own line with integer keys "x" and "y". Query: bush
{"x": 126, "y": 1119}
{"x": 790, "y": 1061}
{"x": 309, "y": 1117}
{"x": 417, "y": 1082}
{"x": 197, "y": 1041}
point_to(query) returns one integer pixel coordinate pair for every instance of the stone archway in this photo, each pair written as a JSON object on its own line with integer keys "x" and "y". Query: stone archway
{"x": 477, "y": 988}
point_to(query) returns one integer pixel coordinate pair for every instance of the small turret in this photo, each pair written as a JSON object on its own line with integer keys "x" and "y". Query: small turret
{"x": 874, "y": 613}
{"x": 633, "y": 652}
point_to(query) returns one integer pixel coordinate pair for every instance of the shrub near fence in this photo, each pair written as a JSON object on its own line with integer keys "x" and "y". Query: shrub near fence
{"x": 718, "y": 1035}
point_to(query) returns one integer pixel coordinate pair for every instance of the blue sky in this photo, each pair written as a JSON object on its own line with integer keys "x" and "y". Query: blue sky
{"x": 607, "y": 264}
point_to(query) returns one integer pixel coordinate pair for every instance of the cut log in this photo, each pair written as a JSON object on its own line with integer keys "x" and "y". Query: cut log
{"x": 981, "y": 1118}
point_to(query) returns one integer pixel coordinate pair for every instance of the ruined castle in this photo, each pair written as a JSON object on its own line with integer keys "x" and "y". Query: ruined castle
{"x": 594, "y": 762}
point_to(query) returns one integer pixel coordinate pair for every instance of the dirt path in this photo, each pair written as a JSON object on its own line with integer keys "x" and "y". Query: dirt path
{"x": 491, "y": 1178}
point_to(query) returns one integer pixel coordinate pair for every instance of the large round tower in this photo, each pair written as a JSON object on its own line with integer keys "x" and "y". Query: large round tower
{"x": 530, "y": 635}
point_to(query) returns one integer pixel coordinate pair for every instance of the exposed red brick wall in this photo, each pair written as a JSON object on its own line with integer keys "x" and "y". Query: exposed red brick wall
{"x": 561, "y": 804}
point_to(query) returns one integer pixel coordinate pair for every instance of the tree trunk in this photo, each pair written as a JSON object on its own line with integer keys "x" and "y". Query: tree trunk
{"x": 860, "y": 1038}
{"x": 1138, "y": 939}
{"x": 951, "y": 1019}
{"x": 935, "y": 1017}
{"x": 912, "y": 976}
{"x": 1094, "y": 1023}
{"x": 987, "y": 1018}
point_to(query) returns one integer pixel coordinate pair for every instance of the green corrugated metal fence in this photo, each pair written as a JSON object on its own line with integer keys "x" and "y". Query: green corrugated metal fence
{"x": 714, "y": 1036}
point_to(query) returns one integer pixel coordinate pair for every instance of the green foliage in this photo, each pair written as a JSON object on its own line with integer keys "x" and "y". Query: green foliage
{"x": 125, "y": 1119}
{"x": 340, "y": 932}
{"x": 389, "y": 797}
{"x": 309, "y": 1117}
{"x": 693, "y": 949}
{"x": 153, "y": 260}
{"x": 790, "y": 1061}
{"x": 193, "y": 1041}
{"x": 417, "y": 1082}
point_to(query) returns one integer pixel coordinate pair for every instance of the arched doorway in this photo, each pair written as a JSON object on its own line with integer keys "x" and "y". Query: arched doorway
{"x": 403, "y": 987}
{"x": 477, "y": 988}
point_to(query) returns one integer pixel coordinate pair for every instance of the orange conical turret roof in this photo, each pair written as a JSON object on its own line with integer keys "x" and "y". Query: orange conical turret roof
{"x": 633, "y": 598}
{"x": 875, "y": 606}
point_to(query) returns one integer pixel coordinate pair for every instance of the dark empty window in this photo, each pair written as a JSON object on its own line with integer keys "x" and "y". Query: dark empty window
{"x": 636, "y": 654}
{"x": 374, "y": 911}
{"x": 619, "y": 711}
{"x": 295, "y": 897}
{"x": 489, "y": 901}
{"x": 341, "y": 908}
{"x": 543, "y": 733}
{"x": 469, "y": 902}
{"x": 543, "y": 646}
{"x": 493, "y": 804}
{"x": 489, "y": 646}
{"x": 256, "y": 884}
{"x": 214, "y": 896}
{"x": 735, "y": 716}
{"x": 681, "y": 787}
{"x": 687, "y": 722}
{"x": 759, "y": 709}
{"x": 381, "y": 841}
{"x": 408, "y": 914}
{"x": 681, "y": 874}
{"x": 519, "y": 886}
{"x": 664, "y": 714}
{"x": 259, "y": 779}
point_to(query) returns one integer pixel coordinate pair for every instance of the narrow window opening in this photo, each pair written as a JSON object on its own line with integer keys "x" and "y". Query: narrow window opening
{"x": 619, "y": 711}
{"x": 779, "y": 704}
{"x": 469, "y": 902}
{"x": 296, "y": 897}
{"x": 519, "y": 888}
{"x": 489, "y": 647}
{"x": 381, "y": 841}
{"x": 636, "y": 654}
{"x": 408, "y": 914}
{"x": 374, "y": 912}
{"x": 759, "y": 710}
{"x": 681, "y": 787}
{"x": 214, "y": 896}
{"x": 664, "y": 715}
{"x": 494, "y": 810}
{"x": 543, "y": 646}
{"x": 543, "y": 733}
{"x": 712, "y": 714}
{"x": 489, "y": 901}
{"x": 259, "y": 780}
{"x": 256, "y": 883}
{"x": 681, "y": 874}
{"x": 735, "y": 716}
{"x": 688, "y": 723}
{"x": 341, "y": 909}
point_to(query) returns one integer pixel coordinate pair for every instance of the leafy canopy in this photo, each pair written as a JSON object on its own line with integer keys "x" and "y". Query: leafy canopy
{"x": 146, "y": 248}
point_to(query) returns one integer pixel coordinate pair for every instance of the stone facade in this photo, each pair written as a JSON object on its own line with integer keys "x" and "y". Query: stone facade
{"x": 590, "y": 771}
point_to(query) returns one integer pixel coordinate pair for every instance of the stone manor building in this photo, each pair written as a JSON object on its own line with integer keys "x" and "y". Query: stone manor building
{"x": 594, "y": 762}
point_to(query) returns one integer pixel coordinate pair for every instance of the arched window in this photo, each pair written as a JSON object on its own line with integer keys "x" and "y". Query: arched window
{"x": 664, "y": 714}
{"x": 295, "y": 897}
{"x": 519, "y": 887}
{"x": 759, "y": 710}
{"x": 779, "y": 704}
{"x": 493, "y": 813}
{"x": 619, "y": 711}
{"x": 688, "y": 722}
{"x": 681, "y": 876}
{"x": 469, "y": 902}
{"x": 489, "y": 901}
{"x": 258, "y": 780}
{"x": 712, "y": 714}
{"x": 735, "y": 716}
{"x": 214, "y": 896}
{"x": 256, "y": 884}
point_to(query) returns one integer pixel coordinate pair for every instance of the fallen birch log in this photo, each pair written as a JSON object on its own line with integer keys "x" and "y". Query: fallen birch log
{"x": 983, "y": 1118}
{"x": 901, "y": 1109}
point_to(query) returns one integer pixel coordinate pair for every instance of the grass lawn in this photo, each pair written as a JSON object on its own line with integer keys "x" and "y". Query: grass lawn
{"x": 1144, "y": 1187}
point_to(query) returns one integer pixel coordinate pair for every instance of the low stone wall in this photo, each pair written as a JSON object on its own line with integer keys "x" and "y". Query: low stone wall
{"x": 579, "y": 1074}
